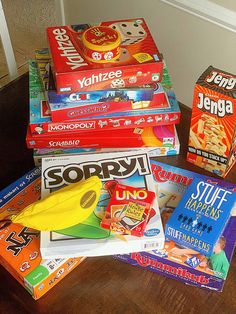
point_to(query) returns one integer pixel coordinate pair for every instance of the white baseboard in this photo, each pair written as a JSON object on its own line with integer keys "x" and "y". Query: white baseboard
{"x": 208, "y": 11}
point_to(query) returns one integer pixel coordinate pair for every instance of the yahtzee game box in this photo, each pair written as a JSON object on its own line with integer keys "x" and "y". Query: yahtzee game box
{"x": 212, "y": 138}
{"x": 137, "y": 61}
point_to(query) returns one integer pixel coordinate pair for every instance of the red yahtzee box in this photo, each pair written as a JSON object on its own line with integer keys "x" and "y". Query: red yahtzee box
{"x": 139, "y": 60}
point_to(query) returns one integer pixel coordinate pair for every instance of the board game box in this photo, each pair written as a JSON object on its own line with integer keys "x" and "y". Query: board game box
{"x": 139, "y": 61}
{"x": 128, "y": 209}
{"x": 116, "y": 101}
{"x": 200, "y": 217}
{"x": 163, "y": 135}
{"x": 20, "y": 193}
{"x": 42, "y": 56}
{"x": 136, "y": 93}
{"x": 212, "y": 134}
{"x": 88, "y": 238}
{"x": 164, "y": 150}
{"x": 20, "y": 246}
{"x": 40, "y": 116}
{"x": 174, "y": 261}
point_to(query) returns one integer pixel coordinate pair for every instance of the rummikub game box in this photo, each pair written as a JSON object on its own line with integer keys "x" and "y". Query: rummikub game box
{"x": 178, "y": 262}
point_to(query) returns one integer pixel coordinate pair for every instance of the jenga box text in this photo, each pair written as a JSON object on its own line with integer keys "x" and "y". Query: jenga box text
{"x": 212, "y": 137}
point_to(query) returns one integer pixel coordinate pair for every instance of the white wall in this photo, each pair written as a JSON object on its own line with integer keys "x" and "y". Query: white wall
{"x": 189, "y": 44}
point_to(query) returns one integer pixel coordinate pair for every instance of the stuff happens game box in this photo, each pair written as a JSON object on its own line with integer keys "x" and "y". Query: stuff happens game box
{"x": 132, "y": 60}
{"x": 88, "y": 238}
{"x": 20, "y": 246}
{"x": 175, "y": 261}
{"x": 200, "y": 217}
{"x": 212, "y": 138}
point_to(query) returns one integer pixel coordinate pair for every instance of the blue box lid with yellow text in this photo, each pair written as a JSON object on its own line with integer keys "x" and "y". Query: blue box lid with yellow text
{"x": 201, "y": 216}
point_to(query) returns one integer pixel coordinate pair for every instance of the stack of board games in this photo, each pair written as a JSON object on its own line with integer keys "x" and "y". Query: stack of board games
{"x": 212, "y": 137}
{"x": 20, "y": 246}
{"x": 176, "y": 261}
{"x": 89, "y": 106}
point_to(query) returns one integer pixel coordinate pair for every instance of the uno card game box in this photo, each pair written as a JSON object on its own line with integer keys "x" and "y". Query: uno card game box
{"x": 139, "y": 61}
{"x": 138, "y": 137}
{"x": 174, "y": 261}
{"x": 212, "y": 135}
{"x": 20, "y": 246}
{"x": 128, "y": 210}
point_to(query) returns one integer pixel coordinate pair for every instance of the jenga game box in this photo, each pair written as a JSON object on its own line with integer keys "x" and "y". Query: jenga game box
{"x": 113, "y": 54}
{"x": 212, "y": 138}
{"x": 20, "y": 246}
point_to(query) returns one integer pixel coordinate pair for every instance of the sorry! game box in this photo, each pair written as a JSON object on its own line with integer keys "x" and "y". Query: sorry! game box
{"x": 88, "y": 238}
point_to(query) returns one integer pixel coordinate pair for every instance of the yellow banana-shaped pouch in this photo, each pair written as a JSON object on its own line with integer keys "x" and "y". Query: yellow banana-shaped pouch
{"x": 62, "y": 209}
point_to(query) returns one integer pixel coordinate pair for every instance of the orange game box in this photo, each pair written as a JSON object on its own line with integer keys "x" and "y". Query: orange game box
{"x": 20, "y": 246}
{"x": 212, "y": 137}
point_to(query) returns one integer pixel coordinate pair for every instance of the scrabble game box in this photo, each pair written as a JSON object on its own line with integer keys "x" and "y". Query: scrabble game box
{"x": 20, "y": 246}
{"x": 138, "y": 137}
{"x": 212, "y": 138}
{"x": 164, "y": 150}
{"x": 139, "y": 60}
{"x": 40, "y": 116}
{"x": 174, "y": 261}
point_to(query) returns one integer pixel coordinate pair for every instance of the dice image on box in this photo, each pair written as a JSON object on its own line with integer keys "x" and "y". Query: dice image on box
{"x": 131, "y": 32}
{"x": 118, "y": 83}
